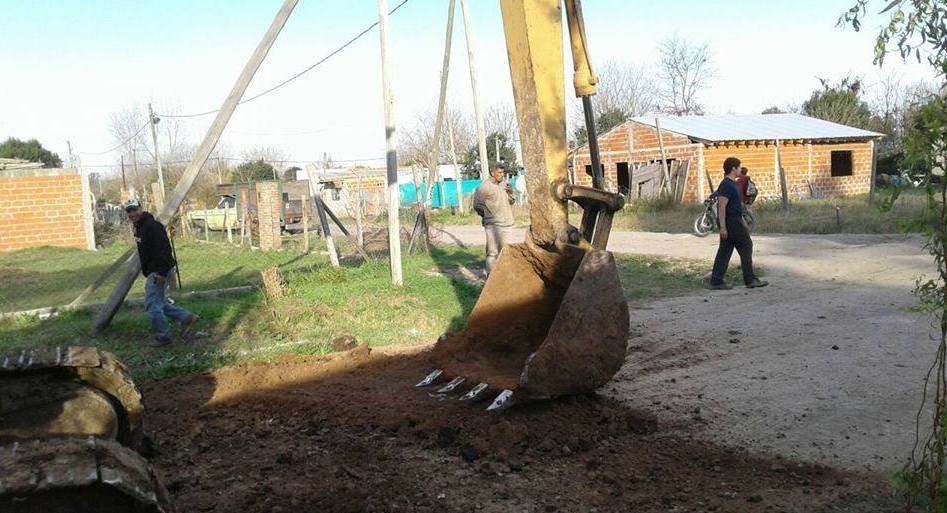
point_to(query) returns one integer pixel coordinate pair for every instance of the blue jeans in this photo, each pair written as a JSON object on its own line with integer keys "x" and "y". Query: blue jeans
{"x": 157, "y": 306}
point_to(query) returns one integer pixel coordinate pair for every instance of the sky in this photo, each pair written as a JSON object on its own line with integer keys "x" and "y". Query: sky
{"x": 66, "y": 66}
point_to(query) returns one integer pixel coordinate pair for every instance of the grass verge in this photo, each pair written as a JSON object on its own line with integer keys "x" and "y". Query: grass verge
{"x": 321, "y": 303}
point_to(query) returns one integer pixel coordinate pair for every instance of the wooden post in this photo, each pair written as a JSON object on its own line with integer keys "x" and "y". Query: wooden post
{"x": 874, "y": 171}
{"x": 478, "y": 112}
{"x": 105, "y": 315}
{"x": 353, "y": 240}
{"x": 206, "y": 227}
{"x": 324, "y": 222}
{"x": 227, "y": 222}
{"x": 664, "y": 160}
{"x": 784, "y": 187}
{"x": 306, "y": 201}
{"x": 391, "y": 154}
{"x": 244, "y": 211}
{"x": 359, "y": 204}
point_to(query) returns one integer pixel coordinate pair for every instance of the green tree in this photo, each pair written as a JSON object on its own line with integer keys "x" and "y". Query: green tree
{"x": 30, "y": 150}
{"x": 603, "y": 123}
{"x": 918, "y": 28}
{"x": 470, "y": 162}
{"x": 773, "y": 110}
{"x": 255, "y": 170}
{"x": 290, "y": 173}
{"x": 840, "y": 103}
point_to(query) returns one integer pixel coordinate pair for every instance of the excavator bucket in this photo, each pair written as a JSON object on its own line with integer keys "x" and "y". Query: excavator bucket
{"x": 547, "y": 324}
{"x": 552, "y": 319}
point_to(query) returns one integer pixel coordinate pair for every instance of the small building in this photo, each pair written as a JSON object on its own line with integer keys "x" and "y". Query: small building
{"x": 819, "y": 158}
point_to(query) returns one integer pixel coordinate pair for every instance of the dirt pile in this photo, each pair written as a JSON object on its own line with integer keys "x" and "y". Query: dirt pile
{"x": 351, "y": 434}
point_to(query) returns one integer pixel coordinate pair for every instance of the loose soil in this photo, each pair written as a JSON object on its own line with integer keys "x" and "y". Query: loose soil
{"x": 350, "y": 433}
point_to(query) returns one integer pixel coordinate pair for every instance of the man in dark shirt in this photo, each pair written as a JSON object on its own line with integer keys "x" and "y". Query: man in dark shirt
{"x": 733, "y": 231}
{"x": 157, "y": 260}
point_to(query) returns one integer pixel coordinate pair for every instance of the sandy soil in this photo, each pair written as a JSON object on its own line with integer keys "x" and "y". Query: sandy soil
{"x": 824, "y": 365}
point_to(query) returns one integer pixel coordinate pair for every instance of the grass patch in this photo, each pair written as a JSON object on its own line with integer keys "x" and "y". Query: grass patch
{"x": 816, "y": 216}
{"x": 321, "y": 303}
{"x": 810, "y": 216}
{"x": 41, "y": 277}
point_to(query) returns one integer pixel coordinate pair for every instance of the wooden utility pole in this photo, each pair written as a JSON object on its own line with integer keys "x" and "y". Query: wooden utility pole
{"x": 478, "y": 112}
{"x": 220, "y": 176}
{"x": 153, "y": 121}
{"x": 391, "y": 154}
{"x": 105, "y": 315}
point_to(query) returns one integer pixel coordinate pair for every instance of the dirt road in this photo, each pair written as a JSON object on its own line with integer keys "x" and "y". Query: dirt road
{"x": 825, "y": 365}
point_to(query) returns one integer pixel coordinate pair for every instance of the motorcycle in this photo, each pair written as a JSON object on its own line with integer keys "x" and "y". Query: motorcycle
{"x": 707, "y": 221}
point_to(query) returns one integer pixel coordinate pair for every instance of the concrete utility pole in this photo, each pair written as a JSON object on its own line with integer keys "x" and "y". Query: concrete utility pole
{"x": 124, "y": 182}
{"x": 153, "y": 121}
{"x": 391, "y": 154}
{"x": 478, "y": 112}
{"x": 438, "y": 124}
{"x": 105, "y": 315}
{"x": 72, "y": 162}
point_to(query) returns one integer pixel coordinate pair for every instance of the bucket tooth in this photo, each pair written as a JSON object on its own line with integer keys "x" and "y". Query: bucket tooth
{"x": 453, "y": 385}
{"x": 431, "y": 378}
{"x": 502, "y": 401}
{"x": 476, "y": 393}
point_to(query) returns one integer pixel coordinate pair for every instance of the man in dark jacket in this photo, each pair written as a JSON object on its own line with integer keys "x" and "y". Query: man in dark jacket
{"x": 157, "y": 260}
{"x": 734, "y": 233}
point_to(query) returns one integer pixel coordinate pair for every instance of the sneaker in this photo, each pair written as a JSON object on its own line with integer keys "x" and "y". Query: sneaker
{"x": 755, "y": 284}
{"x": 160, "y": 342}
{"x": 719, "y": 286}
{"x": 188, "y": 325}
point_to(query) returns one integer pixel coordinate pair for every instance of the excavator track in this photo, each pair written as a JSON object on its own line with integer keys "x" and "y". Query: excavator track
{"x": 72, "y": 391}
{"x": 73, "y": 475}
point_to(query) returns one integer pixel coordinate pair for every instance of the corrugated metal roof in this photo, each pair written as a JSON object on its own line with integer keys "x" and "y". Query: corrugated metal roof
{"x": 757, "y": 127}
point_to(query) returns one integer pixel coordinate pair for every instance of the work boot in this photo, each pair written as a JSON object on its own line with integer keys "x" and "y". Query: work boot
{"x": 719, "y": 286}
{"x": 160, "y": 342}
{"x": 188, "y": 325}
{"x": 757, "y": 283}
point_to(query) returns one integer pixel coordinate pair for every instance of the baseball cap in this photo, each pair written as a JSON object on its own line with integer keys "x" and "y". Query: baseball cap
{"x": 132, "y": 204}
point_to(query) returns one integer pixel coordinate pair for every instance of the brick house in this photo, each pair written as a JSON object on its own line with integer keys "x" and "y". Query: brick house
{"x": 44, "y": 207}
{"x": 820, "y": 158}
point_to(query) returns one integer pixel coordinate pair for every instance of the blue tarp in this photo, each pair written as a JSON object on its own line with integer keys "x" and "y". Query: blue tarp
{"x": 409, "y": 196}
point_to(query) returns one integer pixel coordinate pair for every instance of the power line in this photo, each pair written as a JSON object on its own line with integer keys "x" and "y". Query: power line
{"x": 119, "y": 145}
{"x": 294, "y": 77}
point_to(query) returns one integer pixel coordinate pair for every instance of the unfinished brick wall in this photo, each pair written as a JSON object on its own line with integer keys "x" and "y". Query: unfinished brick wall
{"x": 796, "y": 158}
{"x": 43, "y": 207}
{"x": 803, "y": 162}
{"x": 269, "y": 207}
{"x": 637, "y": 144}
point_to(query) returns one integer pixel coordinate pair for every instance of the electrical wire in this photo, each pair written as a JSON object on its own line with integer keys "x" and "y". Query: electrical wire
{"x": 294, "y": 77}
{"x": 119, "y": 145}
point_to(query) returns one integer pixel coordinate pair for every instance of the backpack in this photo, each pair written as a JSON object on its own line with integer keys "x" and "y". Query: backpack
{"x": 751, "y": 191}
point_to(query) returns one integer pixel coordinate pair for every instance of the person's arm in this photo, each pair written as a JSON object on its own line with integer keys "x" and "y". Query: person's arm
{"x": 478, "y": 202}
{"x": 722, "y": 215}
{"x": 162, "y": 251}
